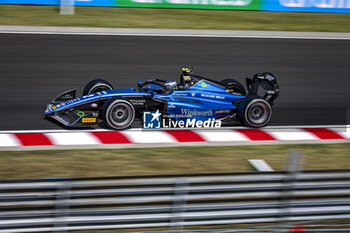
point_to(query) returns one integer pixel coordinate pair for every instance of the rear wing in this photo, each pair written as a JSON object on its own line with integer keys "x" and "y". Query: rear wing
{"x": 268, "y": 82}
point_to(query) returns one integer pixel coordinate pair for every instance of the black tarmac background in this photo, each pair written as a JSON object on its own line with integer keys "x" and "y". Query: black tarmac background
{"x": 314, "y": 75}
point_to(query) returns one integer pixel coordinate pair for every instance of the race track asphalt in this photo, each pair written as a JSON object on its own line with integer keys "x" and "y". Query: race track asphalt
{"x": 314, "y": 75}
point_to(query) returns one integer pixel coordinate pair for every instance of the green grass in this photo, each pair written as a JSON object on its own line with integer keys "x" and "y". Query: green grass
{"x": 151, "y": 161}
{"x": 174, "y": 18}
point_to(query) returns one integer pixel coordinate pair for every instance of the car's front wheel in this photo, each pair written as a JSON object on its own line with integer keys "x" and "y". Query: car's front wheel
{"x": 97, "y": 85}
{"x": 254, "y": 111}
{"x": 118, "y": 113}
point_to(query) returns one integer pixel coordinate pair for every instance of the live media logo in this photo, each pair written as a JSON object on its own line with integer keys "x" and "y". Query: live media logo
{"x": 152, "y": 120}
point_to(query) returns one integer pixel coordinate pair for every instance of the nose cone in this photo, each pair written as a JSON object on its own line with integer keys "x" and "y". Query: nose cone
{"x": 49, "y": 108}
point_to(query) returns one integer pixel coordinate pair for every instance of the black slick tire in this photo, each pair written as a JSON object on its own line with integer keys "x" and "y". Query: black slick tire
{"x": 254, "y": 111}
{"x": 118, "y": 113}
{"x": 97, "y": 85}
{"x": 233, "y": 86}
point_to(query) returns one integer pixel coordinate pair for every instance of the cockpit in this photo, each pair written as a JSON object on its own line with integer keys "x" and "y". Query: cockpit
{"x": 161, "y": 86}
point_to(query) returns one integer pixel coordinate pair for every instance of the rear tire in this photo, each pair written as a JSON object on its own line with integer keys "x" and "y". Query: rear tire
{"x": 97, "y": 85}
{"x": 254, "y": 111}
{"x": 118, "y": 113}
{"x": 234, "y": 87}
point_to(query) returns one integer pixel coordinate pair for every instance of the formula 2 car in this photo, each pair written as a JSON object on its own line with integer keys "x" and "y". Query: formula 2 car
{"x": 193, "y": 96}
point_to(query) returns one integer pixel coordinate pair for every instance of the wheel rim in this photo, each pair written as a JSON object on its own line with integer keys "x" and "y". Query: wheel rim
{"x": 120, "y": 115}
{"x": 99, "y": 88}
{"x": 258, "y": 113}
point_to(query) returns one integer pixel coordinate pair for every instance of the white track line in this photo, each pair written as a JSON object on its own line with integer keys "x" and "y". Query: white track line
{"x": 42, "y": 30}
{"x": 178, "y": 35}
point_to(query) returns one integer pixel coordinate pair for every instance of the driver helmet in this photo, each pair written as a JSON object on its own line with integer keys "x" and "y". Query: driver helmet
{"x": 170, "y": 84}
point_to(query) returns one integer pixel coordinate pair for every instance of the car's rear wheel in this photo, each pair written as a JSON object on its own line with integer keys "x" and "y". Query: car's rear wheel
{"x": 118, "y": 113}
{"x": 254, "y": 111}
{"x": 233, "y": 86}
{"x": 97, "y": 85}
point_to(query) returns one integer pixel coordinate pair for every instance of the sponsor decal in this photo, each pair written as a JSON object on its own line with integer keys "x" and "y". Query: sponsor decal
{"x": 152, "y": 120}
{"x": 155, "y": 120}
{"x": 203, "y": 84}
{"x": 194, "y": 112}
{"x": 213, "y": 96}
{"x": 72, "y": 100}
{"x": 104, "y": 92}
{"x": 192, "y": 123}
{"x": 67, "y": 97}
{"x": 94, "y": 105}
{"x": 269, "y": 77}
{"x": 308, "y": 5}
{"x": 171, "y": 106}
{"x": 138, "y": 101}
{"x": 180, "y": 94}
{"x": 54, "y": 107}
{"x": 81, "y": 114}
{"x": 87, "y": 96}
{"x": 222, "y": 111}
{"x": 208, "y": 96}
{"x": 89, "y": 120}
{"x": 193, "y": 94}
{"x": 315, "y": 3}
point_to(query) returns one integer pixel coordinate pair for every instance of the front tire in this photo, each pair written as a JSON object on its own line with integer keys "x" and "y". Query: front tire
{"x": 97, "y": 85}
{"x": 118, "y": 113}
{"x": 254, "y": 111}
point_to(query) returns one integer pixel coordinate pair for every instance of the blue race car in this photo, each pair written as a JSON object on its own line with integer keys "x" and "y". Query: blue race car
{"x": 192, "y": 97}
